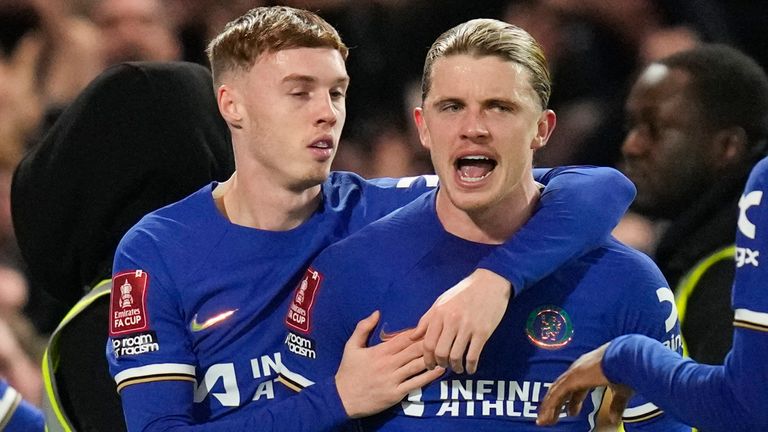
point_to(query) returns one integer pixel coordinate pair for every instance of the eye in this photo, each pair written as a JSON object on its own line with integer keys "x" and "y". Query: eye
{"x": 299, "y": 93}
{"x": 501, "y": 107}
{"x": 450, "y": 107}
{"x": 338, "y": 94}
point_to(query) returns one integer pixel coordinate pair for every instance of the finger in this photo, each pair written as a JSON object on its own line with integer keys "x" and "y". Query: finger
{"x": 421, "y": 329}
{"x": 400, "y": 343}
{"x": 430, "y": 343}
{"x": 421, "y": 380}
{"x": 407, "y": 354}
{"x": 549, "y": 410}
{"x": 363, "y": 329}
{"x": 444, "y": 344}
{"x": 410, "y": 369}
{"x": 576, "y": 401}
{"x": 457, "y": 351}
{"x": 473, "y": 353}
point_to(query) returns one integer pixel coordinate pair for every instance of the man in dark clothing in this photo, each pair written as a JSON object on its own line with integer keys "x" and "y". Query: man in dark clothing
{"x": 698, "y": 123}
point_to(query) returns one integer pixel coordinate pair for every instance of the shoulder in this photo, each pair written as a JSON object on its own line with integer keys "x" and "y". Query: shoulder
{"x": 393, "y": 241}
{"x": 171, "y": 236}
{"x": 174, "y": 221}
{"x": 614, "y": 258}
{"x": 618, "y": 275}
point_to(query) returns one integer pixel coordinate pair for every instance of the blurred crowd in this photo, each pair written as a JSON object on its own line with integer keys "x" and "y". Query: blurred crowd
{"x": 51, "y": 49}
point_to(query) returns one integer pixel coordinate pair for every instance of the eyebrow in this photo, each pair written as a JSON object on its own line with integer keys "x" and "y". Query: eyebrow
{"x": 485, "y": 103}
{"x": 308, "y": 79}
{"x": 448, "y": 100}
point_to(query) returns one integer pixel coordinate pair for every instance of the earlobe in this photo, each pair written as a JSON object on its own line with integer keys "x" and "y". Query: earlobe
{"x": 228, "y": 107}
{"x": 421, "y": 126}
{"x": 546, "y": 126}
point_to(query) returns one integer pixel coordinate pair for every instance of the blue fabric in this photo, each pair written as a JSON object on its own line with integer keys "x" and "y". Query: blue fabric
{"x": 402, "y": 263}
{"x": 197, "y": 266}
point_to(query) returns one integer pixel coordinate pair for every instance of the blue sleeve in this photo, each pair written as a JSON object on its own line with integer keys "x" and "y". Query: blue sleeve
{"x": 731, "y": 397}
{"x": 714, "y": 398}
{"x": 17, "y": 414}
{"x": 578, "y": 209}
{"x": 166, "y": 406}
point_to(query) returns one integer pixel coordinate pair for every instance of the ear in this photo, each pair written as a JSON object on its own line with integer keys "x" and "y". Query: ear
{"x": 730, "y": 147}
{"x": 546, "y": 126}
{"x": 421, "y": 126}
{"x": 227, "y": 98}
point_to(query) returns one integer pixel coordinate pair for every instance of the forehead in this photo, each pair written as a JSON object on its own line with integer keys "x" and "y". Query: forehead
{"x": 659, "y": 86}
{"x": 317, "y": 63}
{"x": 484, "y": 76}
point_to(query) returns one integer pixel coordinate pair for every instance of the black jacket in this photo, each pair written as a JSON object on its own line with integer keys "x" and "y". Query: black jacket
{"x": 706, "y": 226}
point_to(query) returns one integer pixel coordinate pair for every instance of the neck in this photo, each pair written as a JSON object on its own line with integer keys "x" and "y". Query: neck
{"x": 264, "y": 204}
{"x": 494, "y": 224}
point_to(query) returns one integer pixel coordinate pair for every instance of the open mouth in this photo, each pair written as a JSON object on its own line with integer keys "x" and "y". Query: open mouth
{"x": 322, "y": 144}
{"x": 474, "y": 168}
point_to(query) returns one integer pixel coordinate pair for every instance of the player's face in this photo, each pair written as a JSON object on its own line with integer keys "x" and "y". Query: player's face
{"x": 481, "y": 121}
{"x": 293, "y": 109}
{"x": 667, "y": 149}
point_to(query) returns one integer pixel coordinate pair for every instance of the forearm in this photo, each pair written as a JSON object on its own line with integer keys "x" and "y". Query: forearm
{"x": 715, "y": 398}
{"x": 578, "y": 209}
{"x": 317, "y": 408}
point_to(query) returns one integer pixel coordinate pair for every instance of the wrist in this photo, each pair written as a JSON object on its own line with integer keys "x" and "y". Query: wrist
{"x": 345, "y": 398}
{"x": 493, "y": 281}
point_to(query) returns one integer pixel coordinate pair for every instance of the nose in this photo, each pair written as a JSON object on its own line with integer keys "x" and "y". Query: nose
{"x": 637, "y": 143}
{"x": 327, "y": 112}
{"x": 473, "y": 126}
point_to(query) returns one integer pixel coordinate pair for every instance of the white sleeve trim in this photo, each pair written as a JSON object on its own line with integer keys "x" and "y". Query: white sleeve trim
{"x": 760, "y": 318}
{"x": 155, "y": 369}
{"x": 641, "y": 410}
{"x": 7, "y": 402}
{"x": 298, "y": 379}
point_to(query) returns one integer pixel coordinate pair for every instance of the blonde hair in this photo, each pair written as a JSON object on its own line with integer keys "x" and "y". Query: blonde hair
{"x": 489, "y": 37}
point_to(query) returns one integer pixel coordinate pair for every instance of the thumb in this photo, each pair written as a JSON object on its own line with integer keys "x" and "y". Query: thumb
{"x": 621, "y": 396}
{"x": 363, "y": 329}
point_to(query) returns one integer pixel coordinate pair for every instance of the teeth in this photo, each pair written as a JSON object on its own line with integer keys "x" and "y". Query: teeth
{"x": 476, "y": 158}
{"x": 473, "y": 179}
{"x": 322, "y": 144}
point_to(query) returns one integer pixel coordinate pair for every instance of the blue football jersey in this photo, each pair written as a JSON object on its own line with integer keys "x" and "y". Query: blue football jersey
{"x": 402, "y": 263}
{"x": 732, "y": 397}
{"x": 198, "y": 303}
{"x": 196, "y": 297}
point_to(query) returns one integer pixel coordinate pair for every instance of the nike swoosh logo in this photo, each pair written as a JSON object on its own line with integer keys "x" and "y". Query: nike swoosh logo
{"x": 385, "y": 336}
{"x": 196, "y": 326}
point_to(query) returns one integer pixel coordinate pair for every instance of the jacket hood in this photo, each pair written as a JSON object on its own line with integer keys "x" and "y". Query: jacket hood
{"x": 140, "y": 136}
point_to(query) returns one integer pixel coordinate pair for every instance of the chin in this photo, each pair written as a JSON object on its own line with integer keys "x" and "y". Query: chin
{"x": 470, "y": 202}
{"x": 313, "y": 179}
